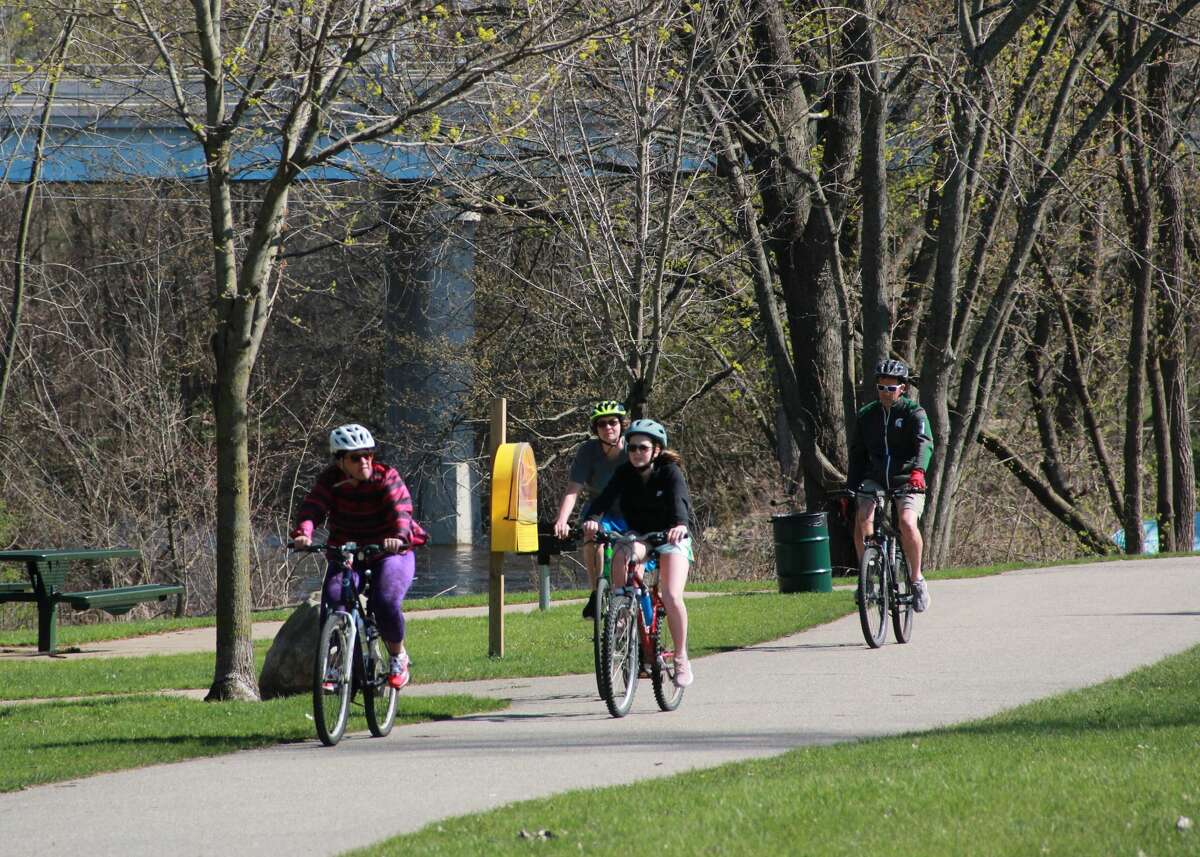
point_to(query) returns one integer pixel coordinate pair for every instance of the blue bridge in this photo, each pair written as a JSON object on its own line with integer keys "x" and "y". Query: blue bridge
{"x": 109, "y": 133}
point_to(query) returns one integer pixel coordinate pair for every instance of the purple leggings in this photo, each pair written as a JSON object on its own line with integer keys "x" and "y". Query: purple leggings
{"x": 391, "y": 574}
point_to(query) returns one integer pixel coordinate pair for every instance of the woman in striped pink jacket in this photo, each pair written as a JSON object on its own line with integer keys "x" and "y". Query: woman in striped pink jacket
{"x": 365, "y": 501}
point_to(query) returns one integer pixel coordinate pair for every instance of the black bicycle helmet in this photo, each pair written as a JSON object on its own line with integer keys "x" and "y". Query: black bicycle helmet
{"x": 891, "y": 369}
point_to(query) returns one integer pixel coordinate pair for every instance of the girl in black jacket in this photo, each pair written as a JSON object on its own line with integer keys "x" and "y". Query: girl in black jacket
{"x": 654, "y": 497}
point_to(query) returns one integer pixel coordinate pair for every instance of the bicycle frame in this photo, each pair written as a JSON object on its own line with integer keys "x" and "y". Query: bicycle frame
{"x": 886, "y": 533}
{"x": 355, "y": 603}
{"x": 635, "y": 582}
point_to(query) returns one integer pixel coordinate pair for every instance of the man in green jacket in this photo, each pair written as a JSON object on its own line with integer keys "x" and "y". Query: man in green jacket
{"x": 891, "y": 448}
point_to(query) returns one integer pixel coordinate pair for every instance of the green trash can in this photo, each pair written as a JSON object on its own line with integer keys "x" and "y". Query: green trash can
{"x": 802, "y": 552}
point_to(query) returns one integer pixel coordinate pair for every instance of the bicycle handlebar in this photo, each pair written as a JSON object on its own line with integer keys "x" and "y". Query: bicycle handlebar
{"x": 361, "y": 551}
{"x": 653, "y": 540}
{"x": 887, "y": 492}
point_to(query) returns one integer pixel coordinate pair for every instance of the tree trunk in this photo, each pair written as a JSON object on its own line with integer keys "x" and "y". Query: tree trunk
{"x": 1173, "y": 286}
{"x": 876, "y": 308}
{"x": 1139, "y": 214}
{"x": 234, "y": 675}
{"x": 1164, "y": 514}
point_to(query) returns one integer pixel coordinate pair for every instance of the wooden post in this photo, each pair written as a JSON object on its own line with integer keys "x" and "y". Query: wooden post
{"x": 497, "y": 437}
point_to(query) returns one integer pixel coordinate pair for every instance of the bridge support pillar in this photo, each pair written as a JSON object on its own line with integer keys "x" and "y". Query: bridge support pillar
{"x": 430, "y": 323}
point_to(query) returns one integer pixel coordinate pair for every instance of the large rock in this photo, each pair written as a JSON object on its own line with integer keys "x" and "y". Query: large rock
{"x": 289, "y": 664}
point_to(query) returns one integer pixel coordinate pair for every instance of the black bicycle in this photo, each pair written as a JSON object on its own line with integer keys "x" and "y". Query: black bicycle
{"x": 351, "y": 656}
{"x": 883, "y": 583}
{"x": 634, "y": 643}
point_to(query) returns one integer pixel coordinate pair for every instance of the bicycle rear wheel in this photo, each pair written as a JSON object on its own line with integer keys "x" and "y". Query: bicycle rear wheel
{"x": 333, "y": 673}
{"x": 602, "y": 589}
{"x": 620, "y": 654}
{"x": 667, "y": 694}
{"x": 872, "y": 596}
{"x": 902, "y": 602}
{"x": 379, "y": 697}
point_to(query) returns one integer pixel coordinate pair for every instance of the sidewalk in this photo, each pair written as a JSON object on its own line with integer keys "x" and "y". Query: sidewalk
{"x": 986, "y": 644}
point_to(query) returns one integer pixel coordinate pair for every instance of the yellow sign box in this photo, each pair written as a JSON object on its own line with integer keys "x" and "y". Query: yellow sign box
{"x": 514, "y": 500}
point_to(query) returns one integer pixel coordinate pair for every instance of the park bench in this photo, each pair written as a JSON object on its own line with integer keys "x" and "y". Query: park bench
{"x": 47, "y": 580}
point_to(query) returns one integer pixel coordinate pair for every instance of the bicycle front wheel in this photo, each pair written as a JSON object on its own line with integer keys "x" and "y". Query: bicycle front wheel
{"x": 379, "y": 697}
{"x": 667, "y": 694}
{"x": 872, "y": 596}
{"x": 602, "y": 589}
{"x": 620, "y": 654}
{"x": 333, "y": 673}
{"x": 902, "y": 601}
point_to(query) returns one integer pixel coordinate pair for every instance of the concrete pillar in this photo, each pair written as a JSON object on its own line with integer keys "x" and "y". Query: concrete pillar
{"x": 430, "y": 322}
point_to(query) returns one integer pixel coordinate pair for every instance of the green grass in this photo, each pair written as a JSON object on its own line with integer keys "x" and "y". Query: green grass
{"x": 1106, "y": 770}
{"x": 78, "y": 635}
{"x": 50, "y": 742}
{"x": 555, "y": 642}
{"x": 51, "y": 678}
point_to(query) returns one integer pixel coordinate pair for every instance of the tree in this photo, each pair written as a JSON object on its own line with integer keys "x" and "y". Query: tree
{"x": 287, "y": 92}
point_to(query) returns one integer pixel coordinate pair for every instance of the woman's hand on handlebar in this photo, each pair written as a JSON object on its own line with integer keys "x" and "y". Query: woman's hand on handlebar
{"x": 677, "y": 534}
{"x": 395, "y": 545}
{"x": 590, "y": 528}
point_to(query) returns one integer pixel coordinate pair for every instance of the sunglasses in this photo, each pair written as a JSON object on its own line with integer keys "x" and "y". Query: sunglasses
{"x": 891, "y": 388}
{"x": 639, "y": 447}
{"x": 356, "y": 457}
{"x": 607, "y": 423}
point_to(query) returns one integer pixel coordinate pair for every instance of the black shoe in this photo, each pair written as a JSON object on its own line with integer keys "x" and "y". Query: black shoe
{"x": 589, "y": 609}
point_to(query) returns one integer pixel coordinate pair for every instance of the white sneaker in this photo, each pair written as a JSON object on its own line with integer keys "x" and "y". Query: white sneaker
{"x": 683, "y": 672}
{"x": 920, "y": 596}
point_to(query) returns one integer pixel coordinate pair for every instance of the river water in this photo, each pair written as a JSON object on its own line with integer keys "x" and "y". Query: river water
{"x": 465, "y": 570}
{"x": 449, "y": 570}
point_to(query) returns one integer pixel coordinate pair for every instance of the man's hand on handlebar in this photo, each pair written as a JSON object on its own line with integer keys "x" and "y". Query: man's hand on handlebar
{"x": 561, "y": 528}
{"x": 916, "y": 480}
{"x": 300, "y": 542}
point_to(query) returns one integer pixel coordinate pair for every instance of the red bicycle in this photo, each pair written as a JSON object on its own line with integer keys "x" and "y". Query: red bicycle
{"x": 636, "y": 641}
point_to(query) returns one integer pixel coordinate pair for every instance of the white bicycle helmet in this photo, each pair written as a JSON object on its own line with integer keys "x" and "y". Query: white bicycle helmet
{"x": 350, "y": 437}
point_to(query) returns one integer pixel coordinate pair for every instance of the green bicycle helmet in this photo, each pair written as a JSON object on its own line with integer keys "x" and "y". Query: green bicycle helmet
{"x": 651, "y": 429}
{"x": 607, "y": 408}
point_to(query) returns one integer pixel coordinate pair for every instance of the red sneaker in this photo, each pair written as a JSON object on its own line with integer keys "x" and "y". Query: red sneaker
{"x": 398, "y": 674}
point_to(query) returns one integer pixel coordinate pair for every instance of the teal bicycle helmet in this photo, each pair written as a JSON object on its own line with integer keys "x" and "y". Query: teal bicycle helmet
{"x": 651, "y": 429}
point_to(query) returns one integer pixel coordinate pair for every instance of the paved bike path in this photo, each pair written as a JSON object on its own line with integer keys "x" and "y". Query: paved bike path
{"x": 985, "y": 645}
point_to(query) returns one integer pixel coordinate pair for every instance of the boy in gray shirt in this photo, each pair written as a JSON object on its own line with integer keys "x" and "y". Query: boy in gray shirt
{"x": 593, "y": 466}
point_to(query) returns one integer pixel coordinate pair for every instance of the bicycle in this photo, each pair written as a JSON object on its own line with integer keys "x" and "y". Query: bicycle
{"x": 603, "y": 588}
{"x": 883, "y": 583}
{"x": 632, "y": 644}
{"x": 343, "y": 666}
